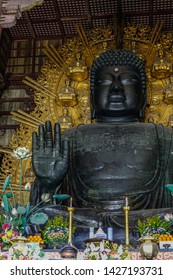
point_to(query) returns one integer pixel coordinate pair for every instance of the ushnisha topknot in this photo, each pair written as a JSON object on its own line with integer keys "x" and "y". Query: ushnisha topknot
{"x": 118, "y": 57}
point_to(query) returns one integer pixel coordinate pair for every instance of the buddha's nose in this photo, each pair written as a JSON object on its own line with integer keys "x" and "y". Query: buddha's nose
{"x": 116, "y": 86}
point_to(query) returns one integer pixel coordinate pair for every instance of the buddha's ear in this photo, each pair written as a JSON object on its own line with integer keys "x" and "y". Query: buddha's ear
{"x": 141, "y": 114}
{"x": 93, "y": 113}
{"x": 142, "y": 110}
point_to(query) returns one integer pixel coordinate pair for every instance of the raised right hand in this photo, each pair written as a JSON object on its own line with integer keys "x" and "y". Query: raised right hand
{"x": 50, "y": 156}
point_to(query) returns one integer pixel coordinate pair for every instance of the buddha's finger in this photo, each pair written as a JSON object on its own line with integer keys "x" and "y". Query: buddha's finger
{"x": 57, "y": 137}
{"x": 34, "y": 142}
{"x": 41, "y": 138}
{"x": 48, "y": 134}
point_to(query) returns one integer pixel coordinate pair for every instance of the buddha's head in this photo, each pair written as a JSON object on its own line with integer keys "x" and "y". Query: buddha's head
{"x": 118, "y": 87}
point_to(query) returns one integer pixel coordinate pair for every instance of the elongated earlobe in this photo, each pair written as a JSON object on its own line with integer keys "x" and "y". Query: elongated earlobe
{"x": 141, "y": 114}
{"x": 93, "y": 114}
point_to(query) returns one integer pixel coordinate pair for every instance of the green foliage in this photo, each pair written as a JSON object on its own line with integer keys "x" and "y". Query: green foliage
{"x": 1, "y": 220}
{"x": 6, "y": 204}
{"x": 18, "y": 215}
{"x": 6, "y": 183}
{"x": 61, "y": 196}
{"x": 169, "y": 187}
{"x": 39, "y": 218}
{"x": 56, "y": 231}
{"x": 153, "y": 225}
{"x": 9, "y": 195}
{"x": 57, "y": 221}
{"x": 21, "y": 215}
{"x": 27, "y": 208}
{"x": 21, "y": 210}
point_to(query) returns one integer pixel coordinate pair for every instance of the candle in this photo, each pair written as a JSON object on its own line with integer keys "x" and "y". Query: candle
{"x": 110, "y": 233}
{"x": 126, "y": 201}
{"x": 71, "y": 199}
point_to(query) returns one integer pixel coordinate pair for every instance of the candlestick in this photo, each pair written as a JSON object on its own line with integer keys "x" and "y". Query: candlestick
{"x": 69, "y": 250}
{"x": 126, "y": 209}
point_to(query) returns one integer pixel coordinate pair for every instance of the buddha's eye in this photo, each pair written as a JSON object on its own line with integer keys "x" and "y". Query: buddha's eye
{"x": 104, "y": 82}
{"x": 128, "y": 81}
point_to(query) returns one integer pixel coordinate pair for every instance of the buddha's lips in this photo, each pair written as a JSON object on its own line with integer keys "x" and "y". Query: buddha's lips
{"x": 116, "y": 98}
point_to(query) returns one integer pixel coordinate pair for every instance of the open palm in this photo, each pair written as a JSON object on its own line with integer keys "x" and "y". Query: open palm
{"x": 50, "y": 156}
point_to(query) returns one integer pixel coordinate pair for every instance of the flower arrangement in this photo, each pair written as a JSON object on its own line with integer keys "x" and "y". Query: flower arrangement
{"x": 107, "y": 250}
{"x": 7, "y": 234}
{"x": 154, "y": 226}
{"x": 56, "y": 231}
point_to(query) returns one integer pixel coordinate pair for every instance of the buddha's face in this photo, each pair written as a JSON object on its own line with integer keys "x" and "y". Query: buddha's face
{"x": 117, "y": 92}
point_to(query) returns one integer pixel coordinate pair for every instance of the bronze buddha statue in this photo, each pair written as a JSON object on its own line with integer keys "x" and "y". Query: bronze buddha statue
{"x": 118, "y": 155}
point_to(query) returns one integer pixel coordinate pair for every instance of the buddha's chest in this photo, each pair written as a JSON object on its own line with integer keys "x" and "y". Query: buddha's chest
{"x": 115, "y": 150}
{"x": 115, "y": 155}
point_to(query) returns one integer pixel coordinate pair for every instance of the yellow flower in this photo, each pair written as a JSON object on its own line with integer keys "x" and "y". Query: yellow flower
{"x": 9, "y": 233}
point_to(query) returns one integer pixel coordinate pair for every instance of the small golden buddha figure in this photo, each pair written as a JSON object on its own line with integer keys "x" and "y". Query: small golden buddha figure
{"x": 130, "y": 31}
{"x": 135, "y": 49}
{"x": 29, "y": 175}
{"x": 86, "y": 115}
{"x": 168, "y": 97}
{"x": 67, "y": 96}
{"x": 105, "y": 45}
{"x": 151, "y": 114}
{"x": 160, "y": 109}
{"x": 162, "y": 66}
{"x": 84, "y": 102}
{"x": 170, "y": 122}
{"x": 100, "y": 48}
{"x": 65, "y": 120}
{"x": 78, "y": 70}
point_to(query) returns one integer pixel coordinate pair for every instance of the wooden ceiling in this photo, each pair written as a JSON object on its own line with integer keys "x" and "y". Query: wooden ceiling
{"x": 58, "y": 18}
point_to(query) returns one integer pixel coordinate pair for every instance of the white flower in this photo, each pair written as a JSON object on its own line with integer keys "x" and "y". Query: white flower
{"x": 10, "y": 253}
{"x": 103, "y": 256}
{"x": 36, "y": 252}
{"x": 14, "y": 212}
{"x": 80, "y": 256}
{"x": 2, "y": 204}
{"x": 21, "y": 153}
{"x": 120, "y": 250}
{"x": 25, "y": 251}
{"x": 92, "y": 247}
{"x": 102, "y": 246}
{"x": 45, "y": 197}
{"x": 27, "y": 186}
